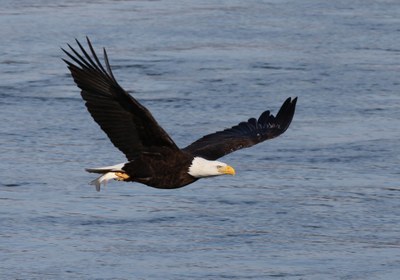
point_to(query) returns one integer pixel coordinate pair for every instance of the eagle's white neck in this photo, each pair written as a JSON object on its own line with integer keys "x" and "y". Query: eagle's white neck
{"x": 201, "y": 168}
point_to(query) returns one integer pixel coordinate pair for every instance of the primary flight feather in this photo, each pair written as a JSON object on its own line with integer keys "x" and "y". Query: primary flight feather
{"x": 153, "y": 157}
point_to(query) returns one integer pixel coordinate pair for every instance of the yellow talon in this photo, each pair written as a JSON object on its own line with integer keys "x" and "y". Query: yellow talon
{"x": 121, "y": 176}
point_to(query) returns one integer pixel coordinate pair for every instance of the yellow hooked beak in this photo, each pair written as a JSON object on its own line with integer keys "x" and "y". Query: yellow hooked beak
{"x": 227, "y": 170}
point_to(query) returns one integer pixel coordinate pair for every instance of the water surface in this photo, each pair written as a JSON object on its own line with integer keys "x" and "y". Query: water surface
{"x": 319, "y": 202}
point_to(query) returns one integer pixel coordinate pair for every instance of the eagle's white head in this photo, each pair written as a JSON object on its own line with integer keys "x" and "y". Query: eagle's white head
{"x": 201, "y": 168}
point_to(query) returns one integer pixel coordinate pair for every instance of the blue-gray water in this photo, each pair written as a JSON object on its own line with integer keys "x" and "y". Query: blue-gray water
{"x": 320, "y": 202}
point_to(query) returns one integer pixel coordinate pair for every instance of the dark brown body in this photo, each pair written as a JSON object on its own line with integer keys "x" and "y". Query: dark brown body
{"x": 162, "y": 168}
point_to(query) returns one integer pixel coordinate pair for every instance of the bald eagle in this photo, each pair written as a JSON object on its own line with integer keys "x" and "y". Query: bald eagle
{"x": 153, "y": 157}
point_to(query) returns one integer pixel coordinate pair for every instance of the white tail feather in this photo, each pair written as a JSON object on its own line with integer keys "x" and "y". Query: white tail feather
{"x": 105, "y": 169}
{"x": 103, "y": 179}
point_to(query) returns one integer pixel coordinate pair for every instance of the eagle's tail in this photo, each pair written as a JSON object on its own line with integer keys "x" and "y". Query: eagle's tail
{"x": 105, "y": 169}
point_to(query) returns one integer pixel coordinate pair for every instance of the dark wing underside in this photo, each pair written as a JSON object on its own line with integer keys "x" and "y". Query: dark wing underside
{"x": 245, "y": 134}
{"x": 128, "y": 124}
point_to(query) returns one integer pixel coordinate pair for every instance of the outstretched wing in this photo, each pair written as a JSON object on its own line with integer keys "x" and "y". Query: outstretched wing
{"x": 245, "y": 134}
{"x": 128, "y": 124}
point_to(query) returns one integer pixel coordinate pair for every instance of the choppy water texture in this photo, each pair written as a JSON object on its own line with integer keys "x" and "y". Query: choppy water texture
{"x": 320, "y": 202}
